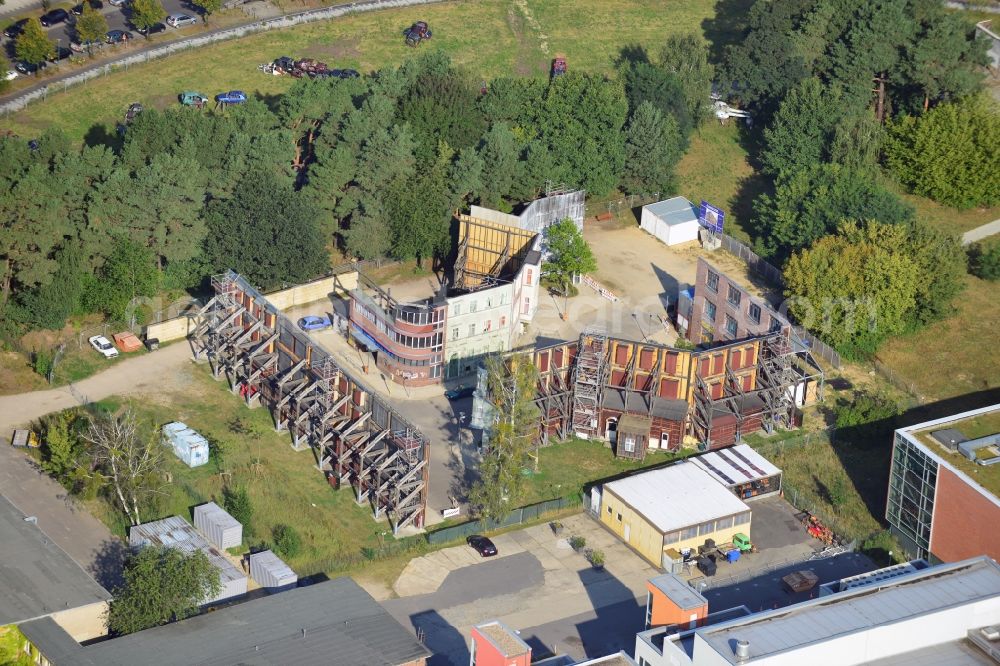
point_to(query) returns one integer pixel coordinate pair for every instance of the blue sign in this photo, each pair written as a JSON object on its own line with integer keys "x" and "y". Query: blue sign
{"x": 711, "y": 217}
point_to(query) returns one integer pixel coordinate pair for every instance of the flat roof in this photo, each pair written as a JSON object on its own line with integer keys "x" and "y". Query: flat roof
{"x": 503, "y": 638}
{"x": 175, "y": 532}
{"x": 972, "y": 424}
{"x": 333, "y": 620}
{"x": 37, "y": 577}
{"x": 737, "y": 464}
{"x": 677, "y": 496}
{"x": 678, "y": 591}
{"x": 825, "y": 618}
{"x": 676, "y": 210}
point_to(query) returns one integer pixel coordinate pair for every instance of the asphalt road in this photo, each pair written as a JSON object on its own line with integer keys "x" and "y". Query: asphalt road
{"x": 118, "y": 19}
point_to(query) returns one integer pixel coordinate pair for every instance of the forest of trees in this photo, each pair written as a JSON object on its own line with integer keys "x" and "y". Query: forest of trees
{"x": 852, "y": 96}
{"x": 373, "y": 167}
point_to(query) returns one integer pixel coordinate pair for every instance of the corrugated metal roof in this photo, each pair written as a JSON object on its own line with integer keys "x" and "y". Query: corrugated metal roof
{"x": 676, "y": 210}
{"x": 677, "y": 496}
{"x": 854, "y": 611}
{"x": 175, "y": 532}
{"x": 36, "y": 576}
{"x": 333, "y": 622}
{"x": 736, "y": 464}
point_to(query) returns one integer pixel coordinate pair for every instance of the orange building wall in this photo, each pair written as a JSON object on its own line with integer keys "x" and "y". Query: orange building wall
{"x": 488, "y": 655}
{"x": 964, "y": 523}
{"x": 665, "y": 612}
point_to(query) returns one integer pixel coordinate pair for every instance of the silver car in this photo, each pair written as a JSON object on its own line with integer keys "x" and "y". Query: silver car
{"x": 180, "y": 20}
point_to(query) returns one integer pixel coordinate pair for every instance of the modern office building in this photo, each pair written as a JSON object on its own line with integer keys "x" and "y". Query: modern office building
{"x": 944, "y": 484}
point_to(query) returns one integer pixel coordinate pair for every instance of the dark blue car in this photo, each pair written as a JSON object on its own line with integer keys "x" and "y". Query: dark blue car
{"x": 314, "y": 323}
{"x": 460, "y": 392}
{"x": 231, "y": 97}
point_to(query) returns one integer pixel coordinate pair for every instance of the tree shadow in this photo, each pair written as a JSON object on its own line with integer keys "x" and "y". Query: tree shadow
{"x": 725, "y": 27}
{"x": 98, "y": 135}
{"x": 632, "y": 54}
{"x": 109, "y": 563}
{"x": 865, "y": 451}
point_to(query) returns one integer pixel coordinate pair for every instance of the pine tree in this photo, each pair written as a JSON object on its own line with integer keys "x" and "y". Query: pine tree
{"x": 653, "y": 146}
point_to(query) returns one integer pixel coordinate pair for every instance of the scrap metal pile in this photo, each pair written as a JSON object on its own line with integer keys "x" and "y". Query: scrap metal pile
{"x": 288, "y": 66}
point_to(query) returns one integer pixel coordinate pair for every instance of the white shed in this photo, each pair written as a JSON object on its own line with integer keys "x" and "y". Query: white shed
{"x": 271, "y": 572}
{"x": 672, "y": 221}
{"x": 218, "y": 526}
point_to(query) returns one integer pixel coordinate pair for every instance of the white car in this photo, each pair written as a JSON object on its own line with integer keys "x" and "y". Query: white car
{"x": 103, "y": 346}
{"x": 180, "y": 20}
{"x": 11, "y": 74}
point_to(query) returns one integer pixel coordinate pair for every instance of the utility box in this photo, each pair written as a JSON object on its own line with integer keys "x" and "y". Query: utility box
{"x": 221, "y": 529}
{"x": 271, "y": 572}
{"x": 187, "y": 444}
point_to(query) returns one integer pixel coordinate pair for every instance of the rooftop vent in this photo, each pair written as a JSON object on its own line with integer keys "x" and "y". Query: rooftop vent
{"x": 991, "y": 633}
{"x": 742, "y": 650}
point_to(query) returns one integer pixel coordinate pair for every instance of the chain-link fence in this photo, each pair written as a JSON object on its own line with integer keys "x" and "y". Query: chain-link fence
{"x": 524, "y": 514}
{"x": 753, "y": 261}
{"x": 894, "y": 378}
{"x": 20, "y": 101}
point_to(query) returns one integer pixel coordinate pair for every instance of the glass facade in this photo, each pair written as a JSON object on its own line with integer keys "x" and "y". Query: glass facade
{"x": 912, "y": 482}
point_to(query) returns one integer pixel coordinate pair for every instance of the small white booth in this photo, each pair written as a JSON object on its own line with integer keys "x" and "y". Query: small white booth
{"x": 673, "y": 221}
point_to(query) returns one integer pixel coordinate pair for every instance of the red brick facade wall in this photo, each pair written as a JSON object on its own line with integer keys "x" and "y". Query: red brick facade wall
{"x": 964, "y": 523}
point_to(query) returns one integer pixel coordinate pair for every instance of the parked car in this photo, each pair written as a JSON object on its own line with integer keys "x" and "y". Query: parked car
{"x": 103, "y": 346}
{"x": 417, "y": 33}
{"x": 60, "y": 53}
{"x": 181, "y": 20}
{"x": 460, "y": 392}
{"x": 482, "y": 545}
{"x": 11, "y": 75}
{"x": 231, "y": 97}
{"x": 118, "y": 3}
{"x": 314, "y": 323}
{"x": 151, "y": 30}
{"x": 349, "y": 73}
{"x": 16, "y": 28}
{"x": 118, "y": 37}
{"x": 28, "y": 68}
{"x": 134, "y": 109}
{"x": 94, "y": 4}
{"x": 54, "y": 16}
{"x": 190, "y": 98}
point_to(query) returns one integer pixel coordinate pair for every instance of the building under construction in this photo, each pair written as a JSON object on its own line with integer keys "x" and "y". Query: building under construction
{"x": 356, "y": 437}
{"x": 667, "y": 396}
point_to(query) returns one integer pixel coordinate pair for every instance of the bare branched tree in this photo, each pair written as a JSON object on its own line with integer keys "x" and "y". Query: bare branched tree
{"x": 131, "y": 461}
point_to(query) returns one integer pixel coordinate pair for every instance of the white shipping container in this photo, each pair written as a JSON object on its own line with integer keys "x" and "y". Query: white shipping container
{"x": 271, "y": 572}
{"x": 221, "y": 529}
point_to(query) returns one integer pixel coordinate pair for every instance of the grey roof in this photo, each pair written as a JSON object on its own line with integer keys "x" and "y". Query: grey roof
{"x": 330, "y": 622}
{"x": 679, "y": 591}
{"x": 175, "y": 532}
{"x": 36, "y": 576}
{"x": 953, "y": 653}
{"x": 671, "y": 410}
{"x": 676, "y": 210}
{"x": 821, "y": 619}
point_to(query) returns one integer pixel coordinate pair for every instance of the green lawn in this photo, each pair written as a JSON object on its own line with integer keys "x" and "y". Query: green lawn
{"x": 490, "y": 37}
{"x": 286, "y": 488}
{"x": 951, "y": 357}
{"x": 11, "y": 641}
{"x": 565, "y": 468}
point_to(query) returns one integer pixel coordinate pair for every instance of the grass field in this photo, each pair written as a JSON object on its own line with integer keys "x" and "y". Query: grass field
{"x": 566, "y": 467}
{"x": 489, "y": 37}
{"x": 11, "y": 642}
{"x": 286, "y": 488}
{"x": 951, "y": 357}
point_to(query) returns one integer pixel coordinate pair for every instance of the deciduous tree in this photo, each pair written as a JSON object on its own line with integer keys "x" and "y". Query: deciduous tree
{"x": 130, "y": 459}
{"x": 511, "y": 385}
{"x": 855, "y": 288}
{"x": 799, "y": 136}
{"x": 208, "y": 7}
{"x": 146, "y": 14}
{"x": 569, "y": 253}
{"x": 161, "y": 585}
{"x": 686, "y": 57}
{"x": 950, "y": 154}
{"x": 91, "y": 27}
{"x": 33, "y": 46}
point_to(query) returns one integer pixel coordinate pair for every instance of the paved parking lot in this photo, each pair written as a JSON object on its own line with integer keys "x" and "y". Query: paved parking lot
{"x": 537, "y": 583}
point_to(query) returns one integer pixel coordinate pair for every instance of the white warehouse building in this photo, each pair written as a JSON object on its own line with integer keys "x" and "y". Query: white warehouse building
{"x": 946, "y": 614}
{"x": 673, "y": 221}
